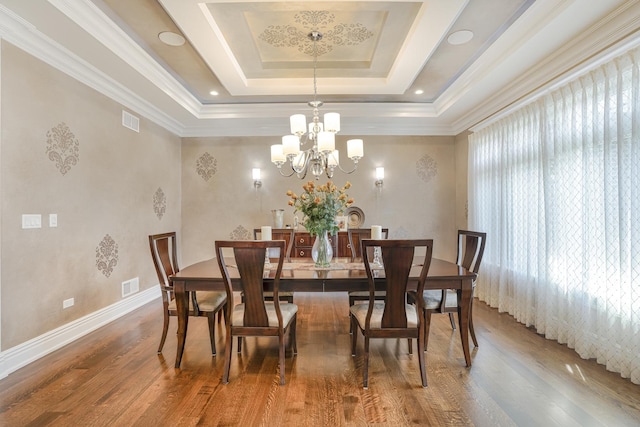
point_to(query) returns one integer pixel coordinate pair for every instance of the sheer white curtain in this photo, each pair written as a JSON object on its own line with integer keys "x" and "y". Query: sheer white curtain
{"x": 556, "y": 186}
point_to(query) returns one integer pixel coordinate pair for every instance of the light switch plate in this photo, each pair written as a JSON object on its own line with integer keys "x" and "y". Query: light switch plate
{"x": 53, "y": 220}
{"x": 31, "y": 221}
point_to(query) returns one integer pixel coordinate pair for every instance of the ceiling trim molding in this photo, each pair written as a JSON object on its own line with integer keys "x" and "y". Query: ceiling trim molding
{"x": 25, "y": 36}
{"x": 94, "y": 21}
{"x": 617, "y": 32}
{"x": 433, "y": 20}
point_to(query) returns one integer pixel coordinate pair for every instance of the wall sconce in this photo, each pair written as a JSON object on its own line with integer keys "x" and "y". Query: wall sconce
{"x": 379, "y": 177}
{"x": 257, "y": 183}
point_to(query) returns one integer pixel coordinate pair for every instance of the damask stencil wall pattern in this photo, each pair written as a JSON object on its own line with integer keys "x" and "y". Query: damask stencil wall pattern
{"x": 241, "y": 233}
{"x": 206, "y": 166}
{"x": 426, "y": 168}
{"x": 107, "y": 255}
{"x": 63, "y": 148}
{"x": 159, "y": 203}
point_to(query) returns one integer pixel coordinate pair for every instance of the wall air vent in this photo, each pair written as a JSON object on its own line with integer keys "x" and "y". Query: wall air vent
{"x": 130, "y": 121}
{"x": 129, "y": 287}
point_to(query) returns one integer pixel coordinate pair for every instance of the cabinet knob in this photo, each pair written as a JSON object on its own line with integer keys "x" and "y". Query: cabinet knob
{"x": 348, "y": 246}
{"x": 301, "y": 253}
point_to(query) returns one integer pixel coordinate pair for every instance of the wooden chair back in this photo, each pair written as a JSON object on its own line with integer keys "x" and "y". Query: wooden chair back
{"x": 470, "y": 249}
{"x": 164, "y": 253}
{"x": 398, "y": 259}
{"x": 248, "y": 261}
{"x": 285, "y": 234}
{"x": 356, "y": 235}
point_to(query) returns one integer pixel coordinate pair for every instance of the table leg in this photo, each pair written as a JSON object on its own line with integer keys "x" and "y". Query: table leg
{"x": 464, "y": 308}
{"x": 182, "y": 306}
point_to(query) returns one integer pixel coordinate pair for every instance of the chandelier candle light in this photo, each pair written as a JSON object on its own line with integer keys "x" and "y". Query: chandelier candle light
{"x": 322, "y": 157}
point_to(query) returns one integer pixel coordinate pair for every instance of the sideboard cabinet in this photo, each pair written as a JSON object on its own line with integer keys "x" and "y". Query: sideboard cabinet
{"x": 303, "y": 242}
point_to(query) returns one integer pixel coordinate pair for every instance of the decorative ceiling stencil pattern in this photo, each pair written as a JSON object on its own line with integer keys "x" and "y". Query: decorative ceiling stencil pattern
{"x": 63, "y": 148}
{"x": 159, "y": 203}
{"x": 426, "y": 168}
{"x": 107, "y": 255}
{"x": 206, "y": 166}
{"x": 341, "y": 34}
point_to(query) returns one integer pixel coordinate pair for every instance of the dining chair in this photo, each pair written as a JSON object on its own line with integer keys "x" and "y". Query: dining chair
{"x": 469, "y": 255}
{"x": 393, "y": 317}
{"x": 355, "y": 236}
{"x": 255, "y": 316}
{"x": 164, "y": 253}
{"x": 285, "y": 234}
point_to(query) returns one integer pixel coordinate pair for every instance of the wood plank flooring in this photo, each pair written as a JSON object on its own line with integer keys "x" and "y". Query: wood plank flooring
{"x": 113, "y": 377}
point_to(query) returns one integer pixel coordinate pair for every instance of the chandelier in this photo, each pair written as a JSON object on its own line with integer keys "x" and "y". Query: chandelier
{"x": 322, "y": 156}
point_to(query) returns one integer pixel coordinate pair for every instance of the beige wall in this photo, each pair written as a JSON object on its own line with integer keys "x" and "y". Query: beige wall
{"x": 109, "y": 191}
{"x": 418, "y": 198}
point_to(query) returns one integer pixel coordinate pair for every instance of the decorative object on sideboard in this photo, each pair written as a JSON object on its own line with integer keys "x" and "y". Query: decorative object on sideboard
{"x": 278, "y": 218}
{"x": 322, "y": 156}
{"x": 355, "y": 217}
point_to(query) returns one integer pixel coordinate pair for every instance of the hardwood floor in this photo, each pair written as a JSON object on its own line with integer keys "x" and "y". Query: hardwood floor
{"x": 113, "y": 377}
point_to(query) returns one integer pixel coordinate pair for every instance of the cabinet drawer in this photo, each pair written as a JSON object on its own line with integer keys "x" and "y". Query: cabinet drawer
{"x": 303, "y": 252}
{"x": 304, "y": 240}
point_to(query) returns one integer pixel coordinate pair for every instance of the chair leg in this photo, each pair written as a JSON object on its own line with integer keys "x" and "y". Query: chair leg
{"x": 281, "y": 356}
{"x": 365, "y": 374}
{"x": 453, "y": 321}
{"x": 211, "y": 318}
{"x": 421, "y": 348}
{"x": 351, "y": 302}
{"x": 410, "y": 343}
{"x": 239, "y": 344}
{"x": 354, "y": 335}
{"x": 292, "y": 334}
{"x": 427, "y": 324}
{"x": 227, "y": 357}
{"x": 471, "y": 330}
{"x": 165, "y": 328}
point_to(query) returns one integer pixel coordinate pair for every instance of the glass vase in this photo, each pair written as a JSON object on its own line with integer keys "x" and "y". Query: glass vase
{"x": 322, "y": 252}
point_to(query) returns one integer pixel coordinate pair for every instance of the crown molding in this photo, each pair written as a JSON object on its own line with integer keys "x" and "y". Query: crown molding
{"x": 25, "y": 36}
{"x": 607, "y": 38}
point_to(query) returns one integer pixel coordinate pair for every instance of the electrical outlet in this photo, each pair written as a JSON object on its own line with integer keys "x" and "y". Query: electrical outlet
{"x": 68, "y": 303}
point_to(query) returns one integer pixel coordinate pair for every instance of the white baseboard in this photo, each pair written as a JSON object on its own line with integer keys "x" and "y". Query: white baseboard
{"x": 29, "y": 351}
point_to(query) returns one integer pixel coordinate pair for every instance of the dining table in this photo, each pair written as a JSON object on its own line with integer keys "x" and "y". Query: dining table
{"x": 301, "y": 275}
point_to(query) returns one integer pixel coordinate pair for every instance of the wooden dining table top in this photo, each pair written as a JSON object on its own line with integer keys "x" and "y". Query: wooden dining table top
{"x": 342, "y": 275}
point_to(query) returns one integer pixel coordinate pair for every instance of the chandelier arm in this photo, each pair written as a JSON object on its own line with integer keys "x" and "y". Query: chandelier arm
{"x": 355, "y": 166}
{"x": 284, "y": 174}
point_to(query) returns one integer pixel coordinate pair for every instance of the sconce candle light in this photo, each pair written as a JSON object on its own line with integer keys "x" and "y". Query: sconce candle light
{"x": 257, "y": 183}
{"x": 379, "y": 177}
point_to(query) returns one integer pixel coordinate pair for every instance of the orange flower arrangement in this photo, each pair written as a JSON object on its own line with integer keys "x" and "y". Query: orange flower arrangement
{"x": 320, "y": 205}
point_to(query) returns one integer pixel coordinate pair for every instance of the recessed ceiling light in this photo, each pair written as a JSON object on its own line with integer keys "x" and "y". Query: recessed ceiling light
{"x": 419, "y": 92}
{"x": 460, "y": 37}
{"x": 171, "y": 39}
{"x": 214, "y": 93}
